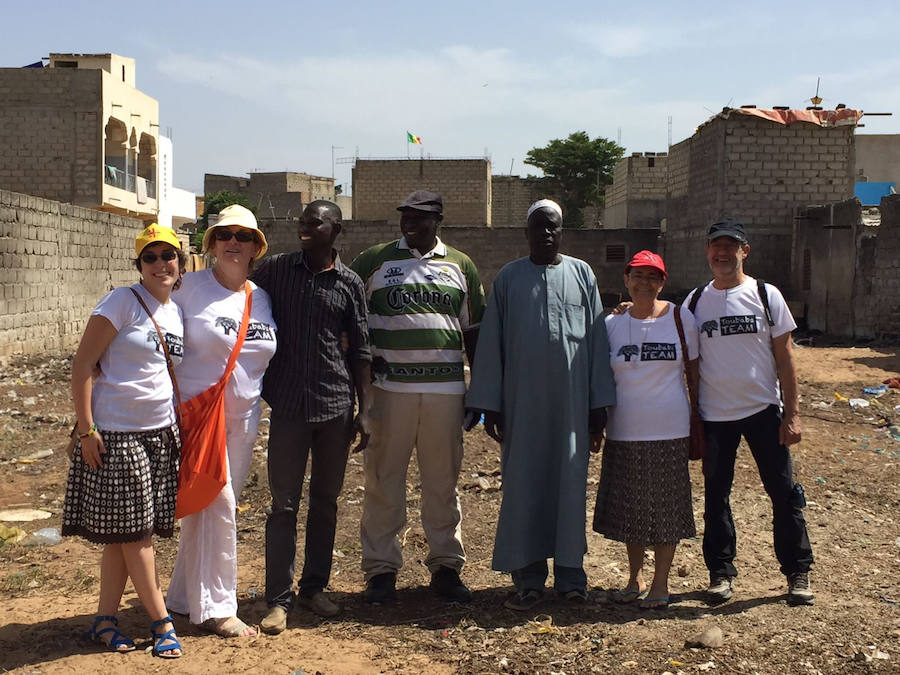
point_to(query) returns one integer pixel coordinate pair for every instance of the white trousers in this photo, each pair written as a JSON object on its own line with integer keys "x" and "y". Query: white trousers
{"x": 204, "y": 581}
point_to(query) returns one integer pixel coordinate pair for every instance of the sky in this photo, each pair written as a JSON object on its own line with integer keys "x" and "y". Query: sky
{"x": 273, "y": 86}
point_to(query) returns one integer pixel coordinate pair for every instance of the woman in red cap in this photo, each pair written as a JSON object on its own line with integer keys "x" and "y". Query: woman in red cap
{"x": 644, "y": 496}
{"x": 124, "y": 471}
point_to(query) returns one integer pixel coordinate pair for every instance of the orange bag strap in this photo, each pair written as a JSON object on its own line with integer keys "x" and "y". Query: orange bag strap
{"x": 169, "y": 365}
{"x": 242, "y": 333}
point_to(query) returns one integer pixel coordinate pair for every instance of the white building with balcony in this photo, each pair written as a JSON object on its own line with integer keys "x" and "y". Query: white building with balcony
{"x": 79, "y": 131}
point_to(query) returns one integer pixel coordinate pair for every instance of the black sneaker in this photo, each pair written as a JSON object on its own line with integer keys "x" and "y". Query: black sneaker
{"x": 799, "y": 590}
{"x": 447, "y": 584}
{"x": 720, "y": 589}
{"x": 381, "y": 588}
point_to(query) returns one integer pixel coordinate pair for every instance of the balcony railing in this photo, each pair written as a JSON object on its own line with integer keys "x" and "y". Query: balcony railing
{"x": 114, "y": 176}
{"x": 127, "y": 181}
{"x": 150, "y": 185}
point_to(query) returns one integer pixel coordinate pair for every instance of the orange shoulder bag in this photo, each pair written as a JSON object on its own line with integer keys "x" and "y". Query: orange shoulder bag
{"x": 204, "y": 468}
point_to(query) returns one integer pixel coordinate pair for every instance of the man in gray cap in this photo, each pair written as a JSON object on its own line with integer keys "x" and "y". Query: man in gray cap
{"x": 425, "y": 302}
{"x": 748, "y": 388}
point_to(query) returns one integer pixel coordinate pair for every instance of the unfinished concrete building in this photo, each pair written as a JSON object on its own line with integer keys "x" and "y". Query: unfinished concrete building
{"x": 379, "y": 185}
{"x": 277, "y": 194}
{"x": 757, "y": 166}
{"x": 637, "y": 196}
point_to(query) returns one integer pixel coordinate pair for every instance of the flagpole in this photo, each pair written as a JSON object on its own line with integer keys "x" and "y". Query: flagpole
{"x": 407, "y": 145}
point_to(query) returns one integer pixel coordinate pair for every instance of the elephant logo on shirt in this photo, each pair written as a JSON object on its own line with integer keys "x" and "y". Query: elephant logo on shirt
{"x": 709, "y": 326}
{"x": 227, "y": 324}
{"x": 628, "y": 351}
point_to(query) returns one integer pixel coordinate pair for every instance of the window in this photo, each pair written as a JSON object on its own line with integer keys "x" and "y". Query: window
{"x": 651, "y": 162}
{"x": 123, "y": 73}
{"x": 615, "y": 253}
{"x": 66, "y": 64}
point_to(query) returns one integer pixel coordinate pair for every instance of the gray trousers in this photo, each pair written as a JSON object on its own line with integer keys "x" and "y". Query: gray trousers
{"x": 290, "y": 444}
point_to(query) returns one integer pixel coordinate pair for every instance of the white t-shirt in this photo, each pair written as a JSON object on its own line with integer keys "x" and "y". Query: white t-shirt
{"x": 212, "y": 318}
{"x": 134, "y": 390}
{"x": 646, "y": 359}
{"x": 737, "y": 366}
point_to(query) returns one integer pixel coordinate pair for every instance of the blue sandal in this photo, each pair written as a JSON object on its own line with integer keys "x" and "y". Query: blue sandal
{"x": 169, "y": 636}
{"x": 118, "y": 642}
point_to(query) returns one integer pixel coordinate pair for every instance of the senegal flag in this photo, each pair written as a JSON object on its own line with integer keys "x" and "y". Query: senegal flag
{"x": 415, "y": 140}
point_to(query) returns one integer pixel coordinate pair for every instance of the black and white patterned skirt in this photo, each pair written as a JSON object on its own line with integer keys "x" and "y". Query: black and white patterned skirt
{"x": 644, "y": 496}
{"x": 132, "y": 495}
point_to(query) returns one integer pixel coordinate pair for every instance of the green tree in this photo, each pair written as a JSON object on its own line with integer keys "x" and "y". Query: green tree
{"x": 576, "y": 169}
{"x": 214, "y": 203}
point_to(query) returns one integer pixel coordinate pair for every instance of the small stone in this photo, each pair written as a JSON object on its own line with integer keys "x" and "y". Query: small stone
{"x": 711, "y": 638}
{"x": 683, "y": 571}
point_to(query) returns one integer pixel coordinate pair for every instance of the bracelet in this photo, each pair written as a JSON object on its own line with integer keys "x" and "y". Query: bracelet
{"x": 90, "y": 432}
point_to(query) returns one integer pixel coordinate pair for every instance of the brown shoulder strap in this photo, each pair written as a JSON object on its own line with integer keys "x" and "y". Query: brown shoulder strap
{"x": 692, "y": 395}
{"x": 680, "y": 327}
{"x": 169, "y": 365}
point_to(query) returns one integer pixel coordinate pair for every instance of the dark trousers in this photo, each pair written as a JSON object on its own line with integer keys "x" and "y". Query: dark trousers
{"x": 534, "y": 576}
{"x": 773, "y": 461}
{"x": 290, "y": 443}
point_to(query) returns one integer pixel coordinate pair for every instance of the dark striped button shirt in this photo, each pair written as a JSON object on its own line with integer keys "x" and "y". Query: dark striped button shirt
{"x": 309, "y": 377}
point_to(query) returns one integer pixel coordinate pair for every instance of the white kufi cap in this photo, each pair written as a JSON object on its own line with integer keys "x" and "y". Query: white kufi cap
{"x": 544, "y": 204}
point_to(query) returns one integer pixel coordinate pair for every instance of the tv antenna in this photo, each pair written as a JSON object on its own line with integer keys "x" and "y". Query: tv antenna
{"x": 816, "y": 100}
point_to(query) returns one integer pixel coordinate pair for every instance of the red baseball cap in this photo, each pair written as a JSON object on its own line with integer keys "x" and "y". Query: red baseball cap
{"x": 647, "y": 259}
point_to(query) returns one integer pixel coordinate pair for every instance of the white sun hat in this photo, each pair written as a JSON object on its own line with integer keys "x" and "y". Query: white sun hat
{"x": 241, "y": 216}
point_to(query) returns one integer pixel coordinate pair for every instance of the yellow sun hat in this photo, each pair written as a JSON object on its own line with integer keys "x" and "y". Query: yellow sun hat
{"x": 154, "y": 233}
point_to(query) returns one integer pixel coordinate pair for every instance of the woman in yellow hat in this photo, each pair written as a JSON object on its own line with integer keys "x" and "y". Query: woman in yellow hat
{"x": 123, "y": 477}
{"x": 214, "y": 300}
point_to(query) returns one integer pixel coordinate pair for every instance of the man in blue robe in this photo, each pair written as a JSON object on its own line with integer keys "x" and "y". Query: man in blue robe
{"x": 543, "y": 381}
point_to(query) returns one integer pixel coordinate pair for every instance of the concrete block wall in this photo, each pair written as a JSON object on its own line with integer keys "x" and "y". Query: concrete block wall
{"x": 617, "y": 191}
{"x": 826, "y": 276}
{"x": 379, "y": 185}
{"x": 510, "y": 198}
{"x": 771, "y": 169}
{"x": 883, "y": 306}
{"x": 51, "y": 141}
{"x": 760, "y": 173}
{"x": 58, "y": 260}
{"x": 878, "y": 158}
{"x": 213, "y": 183}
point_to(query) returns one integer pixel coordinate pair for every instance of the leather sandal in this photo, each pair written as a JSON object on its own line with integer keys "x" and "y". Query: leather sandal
{"x": 159, "y": 639}
{"x": 117, "y": 642}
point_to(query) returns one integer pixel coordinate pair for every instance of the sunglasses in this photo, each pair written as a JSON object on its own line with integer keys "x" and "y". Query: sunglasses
{"x": 224, "y": 234}
{"x": 150, "y": 257}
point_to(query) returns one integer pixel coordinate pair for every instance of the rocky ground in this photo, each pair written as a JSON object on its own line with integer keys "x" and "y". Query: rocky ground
{"x": 848, "y": 462}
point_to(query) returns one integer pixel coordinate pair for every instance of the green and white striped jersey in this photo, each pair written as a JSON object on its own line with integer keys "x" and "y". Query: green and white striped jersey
{"x": 419, "y": 307}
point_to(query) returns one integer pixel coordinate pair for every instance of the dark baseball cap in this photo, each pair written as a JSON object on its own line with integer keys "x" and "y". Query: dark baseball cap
{"x": 727, "y": 228}
{"x": 423, "y": 200}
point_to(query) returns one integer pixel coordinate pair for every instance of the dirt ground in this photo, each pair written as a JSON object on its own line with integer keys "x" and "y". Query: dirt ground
{"x": 848, "y": 463}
